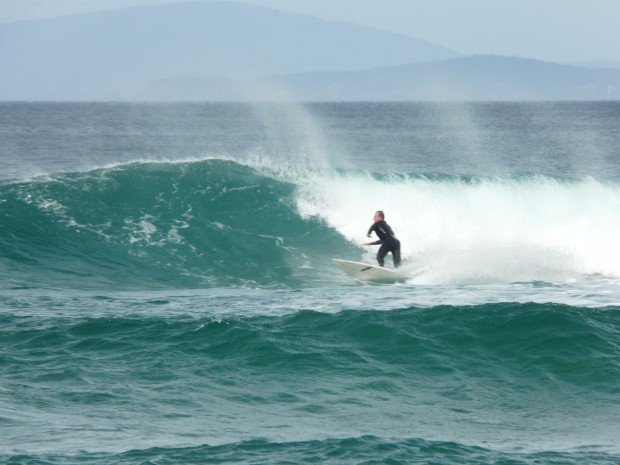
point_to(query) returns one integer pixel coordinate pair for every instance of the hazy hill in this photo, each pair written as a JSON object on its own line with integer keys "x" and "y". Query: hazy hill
{"x": 609, "y": 64}
{"x": 468, "y": 78}
{"x": 115, "y": 54}
{"x": 482, "y": 77}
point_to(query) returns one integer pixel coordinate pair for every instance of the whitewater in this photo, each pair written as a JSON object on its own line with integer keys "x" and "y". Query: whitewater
{"x": 167, "y": 295}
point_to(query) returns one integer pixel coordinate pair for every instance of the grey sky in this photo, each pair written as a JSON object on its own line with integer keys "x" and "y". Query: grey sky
{"x": 557, "y": 30}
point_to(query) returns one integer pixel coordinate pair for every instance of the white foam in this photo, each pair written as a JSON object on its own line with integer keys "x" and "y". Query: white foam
{"x": 492, "y": 230}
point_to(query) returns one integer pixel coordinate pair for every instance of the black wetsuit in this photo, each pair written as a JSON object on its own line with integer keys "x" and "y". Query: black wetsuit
{"x": 388, "y": 242}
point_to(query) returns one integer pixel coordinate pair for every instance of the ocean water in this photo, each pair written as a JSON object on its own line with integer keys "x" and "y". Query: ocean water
{"x": 167, "y": 296}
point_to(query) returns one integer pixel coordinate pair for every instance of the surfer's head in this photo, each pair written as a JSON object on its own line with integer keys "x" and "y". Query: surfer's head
{"x": 379, "y": 216}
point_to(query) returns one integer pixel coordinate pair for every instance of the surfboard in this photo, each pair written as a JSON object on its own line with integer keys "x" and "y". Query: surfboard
{"x": 369, "y": 273}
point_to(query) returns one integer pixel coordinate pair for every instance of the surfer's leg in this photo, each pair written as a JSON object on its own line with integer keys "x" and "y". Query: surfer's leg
{"x": 383, "y": 250}
{"x": 396, "y": 254}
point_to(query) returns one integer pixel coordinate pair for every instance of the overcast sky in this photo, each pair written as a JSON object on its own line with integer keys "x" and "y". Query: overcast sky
{"x": 568, "y": 31}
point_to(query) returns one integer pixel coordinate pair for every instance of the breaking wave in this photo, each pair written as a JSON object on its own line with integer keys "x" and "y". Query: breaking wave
{"x": 223, "y": 223}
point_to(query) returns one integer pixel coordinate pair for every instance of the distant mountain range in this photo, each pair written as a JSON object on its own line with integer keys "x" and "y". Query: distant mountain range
{"x": 608, "y": 64}
{"x": 115, "y": 54}
{"x": 484, "y": 77}
{"x": 230, "y": 51}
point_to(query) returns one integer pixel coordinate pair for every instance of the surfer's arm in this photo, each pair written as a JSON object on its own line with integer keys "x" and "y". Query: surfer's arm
{"x": 370, "y": 230}
{"x": 374, "y": 243}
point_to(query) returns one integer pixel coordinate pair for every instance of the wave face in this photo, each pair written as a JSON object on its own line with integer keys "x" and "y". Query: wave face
{"x": 222, "y": 223}
{"x": 208, "y": 223}
{"x": 485, "y": 380}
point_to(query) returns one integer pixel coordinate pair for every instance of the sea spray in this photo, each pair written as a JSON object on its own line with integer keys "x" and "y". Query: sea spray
{"x": 473, "y": 229}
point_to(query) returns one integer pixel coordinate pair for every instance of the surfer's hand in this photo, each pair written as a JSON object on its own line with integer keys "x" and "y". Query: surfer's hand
{"x": 367, "y": 235}
{"x": 365, "y": 244}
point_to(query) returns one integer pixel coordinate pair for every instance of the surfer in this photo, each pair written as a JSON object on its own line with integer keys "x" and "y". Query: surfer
{"x": 388, "y": 241}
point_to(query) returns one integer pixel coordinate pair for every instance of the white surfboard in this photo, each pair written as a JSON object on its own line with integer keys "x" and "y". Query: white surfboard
{"x": 369, "y": 273}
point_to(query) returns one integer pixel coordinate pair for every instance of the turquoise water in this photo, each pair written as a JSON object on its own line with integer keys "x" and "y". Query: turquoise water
{"x": 172, "y": 301}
